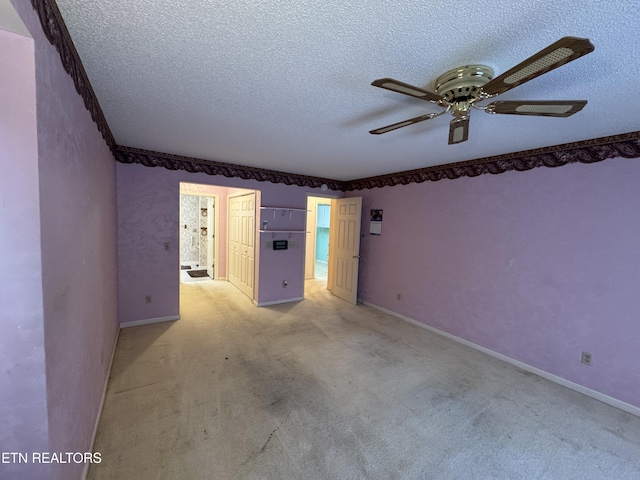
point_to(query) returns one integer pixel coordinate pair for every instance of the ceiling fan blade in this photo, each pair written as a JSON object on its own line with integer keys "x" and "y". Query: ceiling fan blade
{"x": 405, "y": 88}
{"x": 459, "y": 130}
{"x": 406, "y": 123}
{"x": 542, "y": 108}
{"x": 555, "y": 55}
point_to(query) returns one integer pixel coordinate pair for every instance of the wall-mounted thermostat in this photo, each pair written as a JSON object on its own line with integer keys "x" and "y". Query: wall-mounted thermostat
{"x": 280, "y": 244}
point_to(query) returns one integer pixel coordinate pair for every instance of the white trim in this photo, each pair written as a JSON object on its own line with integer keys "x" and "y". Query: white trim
{"x": 322, "y": 195}
{"x": 277, "y": 302}
{"x": 85, "y": 471}
{"x": 147, "y": 321}
{"x": 614, "y": 402}
{"x": 216, "y": 235}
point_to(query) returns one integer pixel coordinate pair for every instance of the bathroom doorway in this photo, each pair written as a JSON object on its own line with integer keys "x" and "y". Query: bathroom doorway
{"x": 198, "y": 242}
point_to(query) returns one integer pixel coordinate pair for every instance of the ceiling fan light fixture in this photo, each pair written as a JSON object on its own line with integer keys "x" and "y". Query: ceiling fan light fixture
{"x": 459, "y": 89}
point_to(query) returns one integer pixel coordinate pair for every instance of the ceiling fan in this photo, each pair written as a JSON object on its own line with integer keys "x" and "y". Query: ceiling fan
{"x": 460, "y": 89}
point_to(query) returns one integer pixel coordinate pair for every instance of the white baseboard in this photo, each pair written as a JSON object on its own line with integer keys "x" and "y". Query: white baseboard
{"x": 147, "y": 321}
{"x": 85, "y": 472}
{"x": 614, "y": 402}
{"x": 277, "y": 302}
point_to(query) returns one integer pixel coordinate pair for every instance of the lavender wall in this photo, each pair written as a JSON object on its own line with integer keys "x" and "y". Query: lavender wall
{"x": 148, "y": 216}
{"x": 79, "y": 258}
{"x": 537, "y": 265}
{"x": 23, "y": 401}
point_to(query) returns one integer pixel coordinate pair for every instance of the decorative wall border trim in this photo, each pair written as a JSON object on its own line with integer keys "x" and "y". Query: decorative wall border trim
{"x": 195, "y": 165}
{"x": 56, "y": 32}
{"x": 588, "y": 151}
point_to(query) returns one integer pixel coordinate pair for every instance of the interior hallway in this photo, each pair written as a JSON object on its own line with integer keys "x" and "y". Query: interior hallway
{"x": 321, "y": 389}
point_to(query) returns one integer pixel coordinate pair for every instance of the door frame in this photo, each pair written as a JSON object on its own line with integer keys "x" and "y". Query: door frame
{"x": 311, "y": 222}
{"x": 332, "y": 231}
{"x": 215, "y": 233}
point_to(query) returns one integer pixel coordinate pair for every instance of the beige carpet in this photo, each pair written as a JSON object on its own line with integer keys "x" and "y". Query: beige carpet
{"x": 320, "y": 389}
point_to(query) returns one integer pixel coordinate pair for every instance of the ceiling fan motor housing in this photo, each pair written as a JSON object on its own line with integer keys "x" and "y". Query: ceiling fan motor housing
{"x": 462, "y": 84}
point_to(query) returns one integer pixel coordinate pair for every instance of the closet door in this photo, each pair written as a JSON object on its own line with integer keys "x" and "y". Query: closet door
{"x": 242, "y": 232}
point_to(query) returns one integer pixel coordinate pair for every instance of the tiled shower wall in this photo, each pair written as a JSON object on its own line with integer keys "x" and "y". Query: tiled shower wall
{"x": 189, "y": 229}
{"x": 193, "y": 244}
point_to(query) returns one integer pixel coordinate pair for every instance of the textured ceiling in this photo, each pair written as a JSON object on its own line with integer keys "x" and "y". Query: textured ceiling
{"x": 286, "y": 85}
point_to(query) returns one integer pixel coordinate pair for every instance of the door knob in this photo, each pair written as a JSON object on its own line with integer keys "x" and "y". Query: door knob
{"x": 356, "y": 256}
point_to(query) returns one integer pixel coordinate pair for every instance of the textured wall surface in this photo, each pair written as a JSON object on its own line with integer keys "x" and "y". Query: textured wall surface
{"x": 148, "y": 216}
{"x": 537, "y": 266}
{"x": 79, "y": 257}
{"x": 23, "y": 402}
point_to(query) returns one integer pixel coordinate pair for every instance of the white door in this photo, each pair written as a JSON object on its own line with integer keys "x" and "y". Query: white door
{"x": 241, "y": 233}
{"x": 344, "y": 248}
{"x": 211, "y": 215}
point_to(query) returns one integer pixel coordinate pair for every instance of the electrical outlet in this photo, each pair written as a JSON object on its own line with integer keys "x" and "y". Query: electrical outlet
{"x": 167, "y": 246}
{"x": 586, "y": 358}
{"x": 398, "y": 296}
{"x": 147, "y": 299}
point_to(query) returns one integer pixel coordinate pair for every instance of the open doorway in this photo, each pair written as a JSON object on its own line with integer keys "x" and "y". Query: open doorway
{"x": 198, "y": 240}
{"x": 208, "y": 232}
{"x": 332, "y": 253}
{"x": 317, "y": 241}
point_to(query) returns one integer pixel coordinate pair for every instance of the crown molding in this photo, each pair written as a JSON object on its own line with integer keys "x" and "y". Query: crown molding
{"x": 149, "y": 158}
{"x": 588, "y": 151}
{"x": 625, "y": 145}
{"x": 56, "y": 32}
